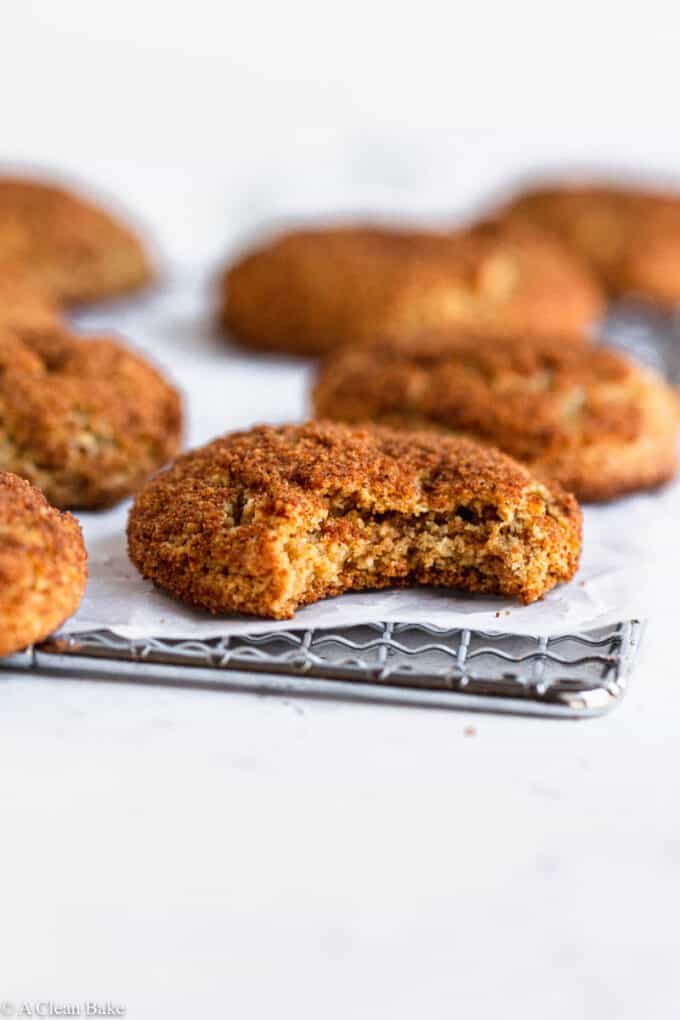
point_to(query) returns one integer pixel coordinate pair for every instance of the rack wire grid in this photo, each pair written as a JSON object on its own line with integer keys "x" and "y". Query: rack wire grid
{"x": 573, "y": 675}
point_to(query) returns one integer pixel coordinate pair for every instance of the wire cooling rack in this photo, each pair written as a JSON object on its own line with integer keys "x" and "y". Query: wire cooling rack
{"x": 575, "y": 675}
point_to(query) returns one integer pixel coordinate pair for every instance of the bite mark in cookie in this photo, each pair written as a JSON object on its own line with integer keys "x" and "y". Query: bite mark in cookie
{"x": 265, "y": 521}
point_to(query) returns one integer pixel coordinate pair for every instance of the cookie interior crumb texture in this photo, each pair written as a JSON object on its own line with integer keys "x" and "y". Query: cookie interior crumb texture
{"x": 311, "y": 291}
{"x": 83, "y": 418}
{"x": 586, "y": 416}
{"x": 70, "y": 247}
{"x": 43, "y": 565}
{"x": 268, "y": 520}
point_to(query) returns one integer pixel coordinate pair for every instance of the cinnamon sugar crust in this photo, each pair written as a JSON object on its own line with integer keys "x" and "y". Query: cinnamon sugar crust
{"x": 83, "y": 418}
{"x": 265, "y": 521}
{"x": 586, "y": 416}
{"x": 68, "y": 246}
{"x": 43, "y": 565}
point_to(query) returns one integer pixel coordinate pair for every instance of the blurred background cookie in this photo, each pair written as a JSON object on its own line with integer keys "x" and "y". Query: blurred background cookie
{"x": 43, "y": 565}
{"x": 265, "y": 521}
{"x": 83, "y": 418}
{"x": 70, "y": 247}
{"x": 630, "y": 238}
{"x": 26, "y": 307}
{"x": 587, "y": 416}
{"x": 313, "y": 290}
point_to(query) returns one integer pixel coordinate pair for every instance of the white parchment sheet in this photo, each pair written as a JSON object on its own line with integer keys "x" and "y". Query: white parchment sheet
{"x": 631, "y": 556}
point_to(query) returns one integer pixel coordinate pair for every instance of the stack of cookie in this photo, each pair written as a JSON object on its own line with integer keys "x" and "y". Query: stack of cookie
{"x": 462, "y": 403}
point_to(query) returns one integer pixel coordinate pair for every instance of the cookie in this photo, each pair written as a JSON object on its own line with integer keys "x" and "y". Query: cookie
{"x": 43, "y": 565}
{"x": 70, "y": 247}
{"x": 588, "y": 417}
{"x": 265, "y": 521}
{"x": 630, "y": 238}
{"x": 314, "y": 290}
{"x": 83, "y": 418}
{"x": 25, "y": 307}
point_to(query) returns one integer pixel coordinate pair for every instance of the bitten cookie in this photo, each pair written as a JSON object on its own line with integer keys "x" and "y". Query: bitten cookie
{"x": 83, "y": 418}
{"x": 311, "y": 291}
{"x": 68, "y": 246}
{"x": 630, "y": 238}
{"x": 586, "y": 416}
{"x": 265, "y": 521}
{"x": 43, "y": 565}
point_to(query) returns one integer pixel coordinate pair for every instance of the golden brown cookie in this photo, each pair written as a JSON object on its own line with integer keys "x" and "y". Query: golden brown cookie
{"x": 25, "y": 307}
{"x": 83, "y": 418}
{"x": 69, "y": 247}
{"x": 630, "y": 238}
{"x": 265, "y": 521}
{"x": 43, "y": 565}
{"x": 314, "y": 290}
{"x": 586, "y": 416}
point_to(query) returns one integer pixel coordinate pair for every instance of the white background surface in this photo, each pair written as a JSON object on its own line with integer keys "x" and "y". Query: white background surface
{"x": 197, "y": 854}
